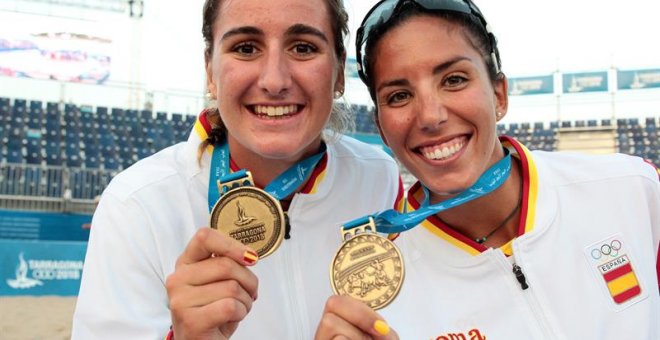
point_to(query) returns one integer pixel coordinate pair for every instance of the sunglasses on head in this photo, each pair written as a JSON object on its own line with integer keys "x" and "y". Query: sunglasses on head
{"x": 385, "y": 10}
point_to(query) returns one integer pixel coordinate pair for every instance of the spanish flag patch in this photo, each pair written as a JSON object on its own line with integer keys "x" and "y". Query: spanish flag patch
{"x": 612, "y": 261}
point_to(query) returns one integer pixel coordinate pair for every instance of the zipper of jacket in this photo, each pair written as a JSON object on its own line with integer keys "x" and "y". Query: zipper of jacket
{"x": 530, "y": 298}
{"x": 294, "y": 284}
{"x": 520, "y": 276}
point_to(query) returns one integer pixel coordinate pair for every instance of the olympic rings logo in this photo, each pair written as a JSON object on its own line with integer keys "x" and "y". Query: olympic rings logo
{"x": 611, "y": 249}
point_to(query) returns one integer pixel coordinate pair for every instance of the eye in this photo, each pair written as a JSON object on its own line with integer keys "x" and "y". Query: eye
{"x": 245, "y": 49}
{"x": 455, "y": 81}
{"x": 398, "y": 98}
{"x": 304, "y": 49}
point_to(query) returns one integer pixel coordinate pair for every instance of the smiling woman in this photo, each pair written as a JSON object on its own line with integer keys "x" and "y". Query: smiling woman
{"x": 498, "y": 241}
{"x": 259, "y": 167}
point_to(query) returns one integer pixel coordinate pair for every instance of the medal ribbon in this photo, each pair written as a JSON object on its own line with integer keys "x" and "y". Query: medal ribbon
{"x": 391, "y": 221}
{"x": 282, "y": 186}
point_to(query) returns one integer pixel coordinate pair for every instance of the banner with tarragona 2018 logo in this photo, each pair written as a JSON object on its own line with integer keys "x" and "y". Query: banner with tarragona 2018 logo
{"x": 41, "y": 267}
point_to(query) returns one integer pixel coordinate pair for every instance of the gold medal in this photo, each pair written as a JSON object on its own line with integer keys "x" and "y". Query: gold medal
{"x": 367, "y": 267}
{"x": 249, "y": 215}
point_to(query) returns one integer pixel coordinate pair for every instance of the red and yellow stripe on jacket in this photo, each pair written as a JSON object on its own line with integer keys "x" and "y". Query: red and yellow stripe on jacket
{"x": 399, "y": 205}
{"x": 527, "y": 211}
{"x": 203, "y": 127}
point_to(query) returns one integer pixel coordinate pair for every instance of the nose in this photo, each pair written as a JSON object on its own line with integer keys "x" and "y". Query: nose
{"x": 275, "y": 77}
{"x": 431, "y": 112}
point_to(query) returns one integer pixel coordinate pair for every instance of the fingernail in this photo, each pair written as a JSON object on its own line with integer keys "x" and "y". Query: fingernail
{"x": 381, "y": 327}
{"x": 250, "y": 257}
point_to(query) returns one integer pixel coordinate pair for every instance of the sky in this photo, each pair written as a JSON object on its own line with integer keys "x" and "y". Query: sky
{"x": 541, "y": 36}
{"x": 536, "y": 37}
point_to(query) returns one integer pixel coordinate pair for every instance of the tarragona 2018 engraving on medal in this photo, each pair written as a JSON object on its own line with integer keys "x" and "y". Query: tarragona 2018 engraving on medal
{"x": 368, "y": 267}
{"x": 251, "y": 216}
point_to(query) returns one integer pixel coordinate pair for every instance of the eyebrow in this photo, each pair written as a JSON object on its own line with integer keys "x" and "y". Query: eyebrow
{"x": 297, "y": 29}
{"x": 436, "y": 70}
{"x": 242, "y": 30}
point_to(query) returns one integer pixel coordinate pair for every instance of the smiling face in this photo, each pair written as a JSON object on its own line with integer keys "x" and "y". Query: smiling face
{"x": 273, "y": 69}
{"x": 436, "y": 103}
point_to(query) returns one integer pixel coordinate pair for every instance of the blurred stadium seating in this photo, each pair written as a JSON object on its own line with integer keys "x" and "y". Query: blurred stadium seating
{"x": 59, "y": 157}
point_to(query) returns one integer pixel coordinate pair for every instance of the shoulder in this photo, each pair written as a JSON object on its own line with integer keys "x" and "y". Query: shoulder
{"x": 573, "y": 167}
{"x": 349, "y": 147}
{"x": 169, "y": 168}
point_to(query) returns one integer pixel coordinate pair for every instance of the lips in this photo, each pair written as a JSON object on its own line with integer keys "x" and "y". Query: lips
{"x": 275, "y": 110}
{"x": 443, "y": 150}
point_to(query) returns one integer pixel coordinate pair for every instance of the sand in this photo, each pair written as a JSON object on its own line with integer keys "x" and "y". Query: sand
{"x": 32, "y": 318}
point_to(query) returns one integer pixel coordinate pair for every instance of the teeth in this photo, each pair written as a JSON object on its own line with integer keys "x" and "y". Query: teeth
{"x": 446, "y": 151}
{"x": 275, "y": 111}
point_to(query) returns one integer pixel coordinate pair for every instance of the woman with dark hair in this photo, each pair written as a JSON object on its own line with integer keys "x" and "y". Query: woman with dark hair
{"x": 274, "y": 67}
{"x": 498, "y": 242}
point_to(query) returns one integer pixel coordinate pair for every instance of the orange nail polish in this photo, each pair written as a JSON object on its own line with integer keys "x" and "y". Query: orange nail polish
{"x": 250, "y": 257}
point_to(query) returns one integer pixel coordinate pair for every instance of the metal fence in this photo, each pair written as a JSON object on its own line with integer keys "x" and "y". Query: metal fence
{"x": 51, "y": 188}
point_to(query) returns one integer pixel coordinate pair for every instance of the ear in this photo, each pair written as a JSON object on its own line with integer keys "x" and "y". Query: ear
{"x": 340, "y": 84}
{"x": 210, "y": 84}
{"x": 501, "y": 89}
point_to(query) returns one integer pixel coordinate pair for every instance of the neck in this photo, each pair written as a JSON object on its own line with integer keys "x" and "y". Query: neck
{"x": 478, "y": 218}
{"x": 265, "y": 169}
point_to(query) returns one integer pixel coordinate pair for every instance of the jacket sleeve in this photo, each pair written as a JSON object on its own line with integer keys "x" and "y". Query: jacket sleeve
{"x": 655, "y": 201}
{"x": 122, "y": 293}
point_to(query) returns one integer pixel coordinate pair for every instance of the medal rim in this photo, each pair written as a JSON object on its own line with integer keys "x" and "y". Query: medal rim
{"x": 231, "y": 194}
{"x": 398, "y": 287}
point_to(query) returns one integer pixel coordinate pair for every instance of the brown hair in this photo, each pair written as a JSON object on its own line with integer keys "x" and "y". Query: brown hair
{"x": 340, "y": 119}
{"x": 474, "y": 32}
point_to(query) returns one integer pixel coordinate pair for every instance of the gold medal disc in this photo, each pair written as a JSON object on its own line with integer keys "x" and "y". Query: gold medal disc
{"x": 252, "y": 216}
{"x": 368, "y": 267}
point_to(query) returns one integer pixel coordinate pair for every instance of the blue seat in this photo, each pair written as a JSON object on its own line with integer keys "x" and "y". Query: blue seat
{"x": 4, "y": 106}
{"x": 73, "y": 157}
{"x": 52, "y": 108}
{"x": 146, "y": 115}
{"x": 72, "y": 137}
{"x": 15, "y": 139}
{"x": 92, "y": 161}
{"x": 538, "y": 126}
{"x": 110, "y": 163}
{"x": 650, "y": 121}
{"x": 36, "y": 105}
{"x": 53, "y": 153}
{"x": 33, "y": 151}
{"x": 143, "y": 152}
{"x": 101, "y": 112}
{"x": 20, "y": 108}
{"x": 14, "y": 156}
